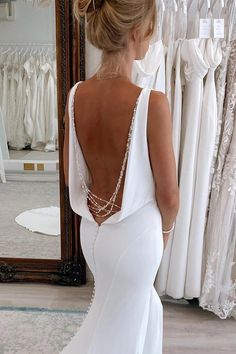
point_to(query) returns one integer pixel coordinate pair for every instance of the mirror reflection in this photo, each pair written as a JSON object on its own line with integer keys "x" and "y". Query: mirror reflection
{"x": 29, "y": 165}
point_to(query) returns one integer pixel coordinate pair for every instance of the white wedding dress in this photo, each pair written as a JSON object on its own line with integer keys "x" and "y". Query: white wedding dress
{"x": 206, "y": 145}
{"x": 172, "y": 273}
{"x": 123, "y": 253}
{"x": 150, "y": 71}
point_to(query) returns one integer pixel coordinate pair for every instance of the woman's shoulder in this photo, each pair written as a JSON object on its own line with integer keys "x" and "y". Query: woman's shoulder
{"x": 158, "y": 104}
{"x": 122, "y": 91}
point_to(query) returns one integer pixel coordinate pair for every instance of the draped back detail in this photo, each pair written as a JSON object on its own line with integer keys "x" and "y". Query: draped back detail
{"x": 139, "y": 185}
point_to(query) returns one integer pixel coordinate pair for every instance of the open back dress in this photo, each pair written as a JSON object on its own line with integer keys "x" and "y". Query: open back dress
{"x": 123, "y": 253}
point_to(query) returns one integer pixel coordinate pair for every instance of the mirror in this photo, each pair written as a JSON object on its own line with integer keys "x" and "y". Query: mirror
{"x": 30, "y": 225}
{"x": 39, "y": 62}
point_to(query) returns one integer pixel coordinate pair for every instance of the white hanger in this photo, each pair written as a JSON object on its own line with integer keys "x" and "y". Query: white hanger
{"x": 7, "y": 50}
{"x": 26, "y": 51}
{"x": 15, "y": 50}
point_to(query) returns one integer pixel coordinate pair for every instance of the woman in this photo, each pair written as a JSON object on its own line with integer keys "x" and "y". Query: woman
{"x": 120, "y": 168}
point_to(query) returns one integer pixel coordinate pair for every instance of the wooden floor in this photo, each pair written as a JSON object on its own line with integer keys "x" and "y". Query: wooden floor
{"x": 188, "y": 329}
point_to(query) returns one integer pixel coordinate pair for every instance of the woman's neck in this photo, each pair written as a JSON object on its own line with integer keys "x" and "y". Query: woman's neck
{"x": 116, "y": 65}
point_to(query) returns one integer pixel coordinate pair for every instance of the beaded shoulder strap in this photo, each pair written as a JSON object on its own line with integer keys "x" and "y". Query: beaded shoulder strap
{"x": 107, "y": 206}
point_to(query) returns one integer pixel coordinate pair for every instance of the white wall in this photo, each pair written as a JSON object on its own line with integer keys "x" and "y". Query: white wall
{"x": 32, "y": 25}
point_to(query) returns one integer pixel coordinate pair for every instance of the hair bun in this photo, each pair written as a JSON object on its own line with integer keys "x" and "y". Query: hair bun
{"x": 109, "y": 21}
{"x": 84, "y": 7}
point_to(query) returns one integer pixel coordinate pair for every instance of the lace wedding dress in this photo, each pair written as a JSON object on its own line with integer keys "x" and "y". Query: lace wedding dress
{"x": 219, "y": 271}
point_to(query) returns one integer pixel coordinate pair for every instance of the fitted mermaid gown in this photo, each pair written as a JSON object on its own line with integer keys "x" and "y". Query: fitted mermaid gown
{"x": 123, "y": 253}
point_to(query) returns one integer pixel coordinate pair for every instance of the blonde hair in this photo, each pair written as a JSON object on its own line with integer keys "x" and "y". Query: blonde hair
{"x": 108, "y": 21}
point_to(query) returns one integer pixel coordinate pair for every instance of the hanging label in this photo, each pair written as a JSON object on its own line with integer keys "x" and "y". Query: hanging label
{"x": 205, "y": 28}
{"x": 219, "y": 28}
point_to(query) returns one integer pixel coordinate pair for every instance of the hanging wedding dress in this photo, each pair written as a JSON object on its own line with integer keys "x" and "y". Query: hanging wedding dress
{"x": 5, "y": 94}
{"x": 219, "y": 276}
{"x": 30, "y": 96}
{"x": 51, "y": 118}
{"x": 206, "y": 144}
{"x": 177, "y": 101}
{"x": 180, "y": 35}
{"x": 17, "y": 107}
{"x": 123, "y": 253}
{"x": 220, "y": 76}
{"x": 3, "y": 138}
{"x": 13, "y": 78}
{"x": 168, "y": 38}
{"x": 4, "y": 154}
{"x": 150, "y": 71}
{"x": 172, "y": 273}
{"x": 38, "y": 139}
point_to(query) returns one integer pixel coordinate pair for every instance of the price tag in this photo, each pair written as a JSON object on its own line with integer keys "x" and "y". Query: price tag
{"x": 205, "y": 28}
{"x": 219, "y": 28}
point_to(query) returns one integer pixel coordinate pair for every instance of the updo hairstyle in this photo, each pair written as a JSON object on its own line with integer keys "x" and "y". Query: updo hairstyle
{"x": 108, "y": 21}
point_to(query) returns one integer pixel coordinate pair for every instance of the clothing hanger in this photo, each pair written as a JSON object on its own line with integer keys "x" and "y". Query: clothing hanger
{"x": 14, "y": 51}
{"x": 31, "y": 51}
{"x": 7, "y": 50}
{"x": 26, "y": 52}
{"x": 20, "y": 54}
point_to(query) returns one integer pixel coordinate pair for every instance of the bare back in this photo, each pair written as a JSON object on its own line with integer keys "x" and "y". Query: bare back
{"x": 103, "y": 112}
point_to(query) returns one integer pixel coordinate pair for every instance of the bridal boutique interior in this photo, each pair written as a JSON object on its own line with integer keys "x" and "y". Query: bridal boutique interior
{"x": 46, "y": 285}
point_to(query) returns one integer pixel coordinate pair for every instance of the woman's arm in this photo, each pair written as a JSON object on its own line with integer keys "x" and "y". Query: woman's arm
{"x": 159, "y": 130}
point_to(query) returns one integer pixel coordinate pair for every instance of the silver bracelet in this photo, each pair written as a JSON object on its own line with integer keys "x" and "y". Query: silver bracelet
{"x": 168, "y": 231}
